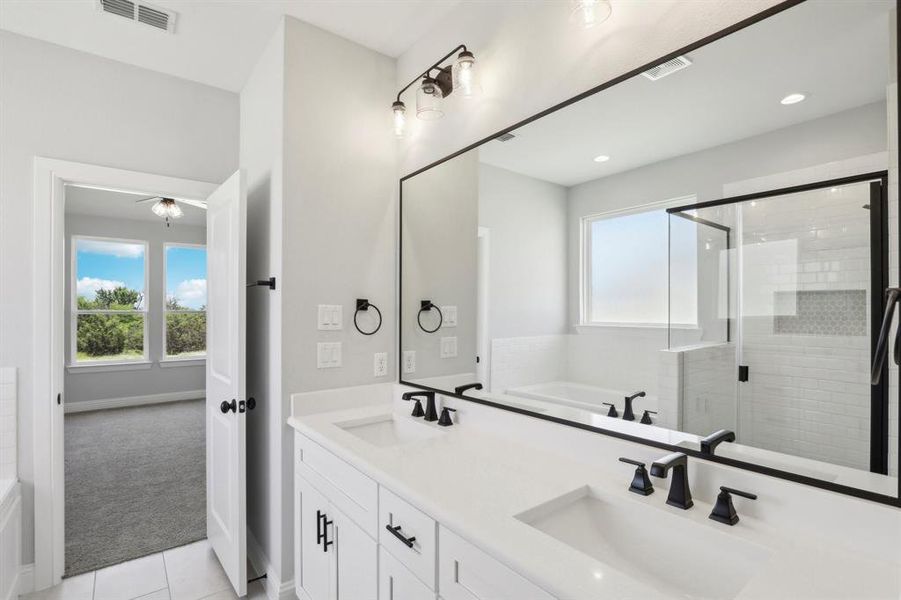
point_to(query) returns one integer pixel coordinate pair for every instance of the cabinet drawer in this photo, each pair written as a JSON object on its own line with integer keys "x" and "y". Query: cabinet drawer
{"x": 419, "y": 555}
{"x": 396, "y": 582}
{"x": 467, "y": 573}
{"x": 352, "y": 492}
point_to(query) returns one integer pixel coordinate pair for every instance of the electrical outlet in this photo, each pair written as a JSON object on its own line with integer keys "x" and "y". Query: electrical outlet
{"x": 449, "y": 347}
{"x": 450, "y": 316}
{"x": 328, "y": 355}
{"x": 409, "y": 361}
{"x": 330, "y": 317}
{"x": 380, "y": 364}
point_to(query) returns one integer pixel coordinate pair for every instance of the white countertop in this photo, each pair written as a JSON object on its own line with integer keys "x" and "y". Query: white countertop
{"x": 475, "y": 483}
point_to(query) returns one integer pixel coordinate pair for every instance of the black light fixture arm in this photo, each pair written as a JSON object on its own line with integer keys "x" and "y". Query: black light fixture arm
{"x": 427, "y": 72}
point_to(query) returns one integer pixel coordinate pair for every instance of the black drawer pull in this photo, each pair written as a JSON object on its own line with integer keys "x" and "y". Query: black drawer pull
{"x": 395, "y": 531}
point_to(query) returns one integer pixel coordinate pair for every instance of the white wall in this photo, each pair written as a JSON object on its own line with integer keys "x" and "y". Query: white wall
{"x": 526, "y": 218}
{"x": 320, "y": 161}
{"x": 83, "y": 385}
{"x": 262, "y": 122}
{"x": 440, "y": 227}
{"x": 64, "y": 104}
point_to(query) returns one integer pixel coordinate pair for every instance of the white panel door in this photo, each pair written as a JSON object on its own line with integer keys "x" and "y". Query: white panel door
{"x": 226, "y": 501}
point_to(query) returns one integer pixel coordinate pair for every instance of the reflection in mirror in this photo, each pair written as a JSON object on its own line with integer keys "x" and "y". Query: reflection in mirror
{"x": 695, "y": 252}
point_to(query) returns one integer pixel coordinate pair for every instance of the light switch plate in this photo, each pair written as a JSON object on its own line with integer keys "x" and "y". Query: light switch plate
{"x": 380, "y": 364}
{"x": 450, "y": 316}
{"x": 328, "y": 355}
{"x": 409, "y": 361}
{"x": 449, "y": 347}
{"x": 330, "y": 317}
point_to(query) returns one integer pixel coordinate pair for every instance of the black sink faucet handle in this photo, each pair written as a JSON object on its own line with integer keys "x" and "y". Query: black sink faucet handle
{"x": 445, "y": 419}
{"x": 417, "y": 410}
{"x": 641, "y": 483}
{"x": 646, "y": 417}
{"x": 724, "y": 511}
{"x": 612, "y": 412}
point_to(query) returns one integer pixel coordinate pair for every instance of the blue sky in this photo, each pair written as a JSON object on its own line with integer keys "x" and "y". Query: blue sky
{"x": 186, "y": 275}
{"x": 107, "y": 264}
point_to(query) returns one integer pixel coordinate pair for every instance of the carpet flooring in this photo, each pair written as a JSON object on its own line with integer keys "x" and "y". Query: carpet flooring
{"x": 135, "y": 482}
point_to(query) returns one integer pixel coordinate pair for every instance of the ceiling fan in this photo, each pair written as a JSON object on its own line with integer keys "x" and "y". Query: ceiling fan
{"x": 168, "y": 208}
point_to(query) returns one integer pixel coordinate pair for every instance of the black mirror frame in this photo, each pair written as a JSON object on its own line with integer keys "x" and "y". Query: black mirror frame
{"x": 756, "y": 468}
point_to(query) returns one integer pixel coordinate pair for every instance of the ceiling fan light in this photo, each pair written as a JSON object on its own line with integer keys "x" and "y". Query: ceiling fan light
{"x": 159, "y": 209}
{"x": 175, "y": 211}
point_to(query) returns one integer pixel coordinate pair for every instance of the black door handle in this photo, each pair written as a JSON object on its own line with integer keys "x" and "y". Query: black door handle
{"x": 395, "y": 531}
{"x": 892, "y": 296}
{"x": 228, "y": 406}
{"x": 251, "y": 403}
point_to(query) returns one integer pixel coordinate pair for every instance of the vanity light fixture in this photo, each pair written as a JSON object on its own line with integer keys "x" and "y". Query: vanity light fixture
{"x": 437, "y": 83}
{"x": 793, "y": 98}
{"x": 588, "y": 13}
{"x": 602, "y": 158}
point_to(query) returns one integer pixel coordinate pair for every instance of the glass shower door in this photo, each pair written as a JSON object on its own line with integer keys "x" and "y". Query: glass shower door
{"x": 810, "y": 263}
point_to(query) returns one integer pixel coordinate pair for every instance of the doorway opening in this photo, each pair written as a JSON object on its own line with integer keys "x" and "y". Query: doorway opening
{"x": 135, "y": 352}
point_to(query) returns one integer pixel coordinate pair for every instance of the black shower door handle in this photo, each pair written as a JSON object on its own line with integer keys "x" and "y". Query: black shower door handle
{"x": 892, "y": 295}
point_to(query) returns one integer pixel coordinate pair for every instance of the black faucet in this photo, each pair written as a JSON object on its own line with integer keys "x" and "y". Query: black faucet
{"x": 679, "y": 493}
{"x": 628, "y": 415}
{"x": 709, "y": 443}
{"x": 469, "y": 386}
{"x": 430, "y": 404}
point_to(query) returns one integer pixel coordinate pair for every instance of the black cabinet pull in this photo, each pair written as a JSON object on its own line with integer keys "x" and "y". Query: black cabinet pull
{"x": 228, "y": 406}
{"x": 322, "y": 531}
{"x": 395, "y": 531}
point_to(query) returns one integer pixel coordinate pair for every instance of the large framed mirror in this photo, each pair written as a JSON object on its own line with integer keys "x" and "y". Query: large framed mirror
{"x": 700, "y": 255}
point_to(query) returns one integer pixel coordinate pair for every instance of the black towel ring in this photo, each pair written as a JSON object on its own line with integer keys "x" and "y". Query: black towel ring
{"x": 425, "y": 306}
{"x": 363, "y": 305}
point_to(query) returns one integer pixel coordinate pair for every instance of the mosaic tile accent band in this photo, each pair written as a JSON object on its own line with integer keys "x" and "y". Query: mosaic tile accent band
{"x": 823, "y": 312}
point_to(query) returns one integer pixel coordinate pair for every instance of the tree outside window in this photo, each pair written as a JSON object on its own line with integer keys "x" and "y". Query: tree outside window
{"x": 185, "y": 308}
{"x": 109, "y": 309}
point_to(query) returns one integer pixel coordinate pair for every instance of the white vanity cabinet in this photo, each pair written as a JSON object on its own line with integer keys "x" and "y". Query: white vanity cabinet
{"x": 356, "y": 540}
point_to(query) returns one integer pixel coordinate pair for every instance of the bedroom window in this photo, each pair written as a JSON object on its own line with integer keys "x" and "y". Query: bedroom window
{"x": 109, "y": 312}
{"x": 184, "y": 331}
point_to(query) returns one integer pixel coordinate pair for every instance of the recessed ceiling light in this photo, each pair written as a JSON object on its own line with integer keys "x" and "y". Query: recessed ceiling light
{"x": 601, "y": 158}
{"x": 793, "y": 98}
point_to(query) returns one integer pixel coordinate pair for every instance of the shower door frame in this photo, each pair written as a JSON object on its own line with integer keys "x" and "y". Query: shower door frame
{"x": 879, "y": 281}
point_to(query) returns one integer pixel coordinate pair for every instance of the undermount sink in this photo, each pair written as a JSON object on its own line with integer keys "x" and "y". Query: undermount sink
{"x": 388, "y": 430}
{"x": 668, "y": 552}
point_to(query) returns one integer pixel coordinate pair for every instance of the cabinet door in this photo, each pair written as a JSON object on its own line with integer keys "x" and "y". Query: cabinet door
{"x": 356, "y": 560}
{"x": 397, "y": 582}
{"x": 313, "y": 562}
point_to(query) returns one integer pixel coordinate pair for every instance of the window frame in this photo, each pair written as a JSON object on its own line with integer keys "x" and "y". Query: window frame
{"x": 585, "y": 264}
{"x": 164, "y": 354}
{"x": 74, "y": 311}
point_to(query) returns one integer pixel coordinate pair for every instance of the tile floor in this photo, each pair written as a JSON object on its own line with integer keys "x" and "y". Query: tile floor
{"x": 190, "y": 572}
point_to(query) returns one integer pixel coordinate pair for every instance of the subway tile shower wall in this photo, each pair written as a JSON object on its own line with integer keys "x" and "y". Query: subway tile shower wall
{"x": 7, "y": 423}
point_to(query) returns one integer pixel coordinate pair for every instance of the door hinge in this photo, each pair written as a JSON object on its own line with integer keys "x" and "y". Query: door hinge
{"x": 742, "y": 372}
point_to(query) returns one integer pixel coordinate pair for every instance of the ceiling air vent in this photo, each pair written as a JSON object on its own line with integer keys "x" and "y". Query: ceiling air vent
{"x": 667, "y": 68}
{"x": 505, "y": 137}
{"x": 140, "y": 12}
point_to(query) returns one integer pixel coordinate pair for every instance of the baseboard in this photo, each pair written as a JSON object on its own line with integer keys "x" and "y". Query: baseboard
{"x": 75, "y": 407}
{"x": 276, "y": 589}
{"x": 26, "y": 579}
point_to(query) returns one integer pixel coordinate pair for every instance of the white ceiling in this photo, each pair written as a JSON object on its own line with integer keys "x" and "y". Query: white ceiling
{"x": 835, "y": 52}
{"x": 120, "y": 205}
{"x": 217, "y": 42}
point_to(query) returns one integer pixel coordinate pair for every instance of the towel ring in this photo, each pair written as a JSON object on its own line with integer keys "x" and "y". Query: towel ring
{"x": 363, "y": 305}
{"x": 425, "y": 306}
